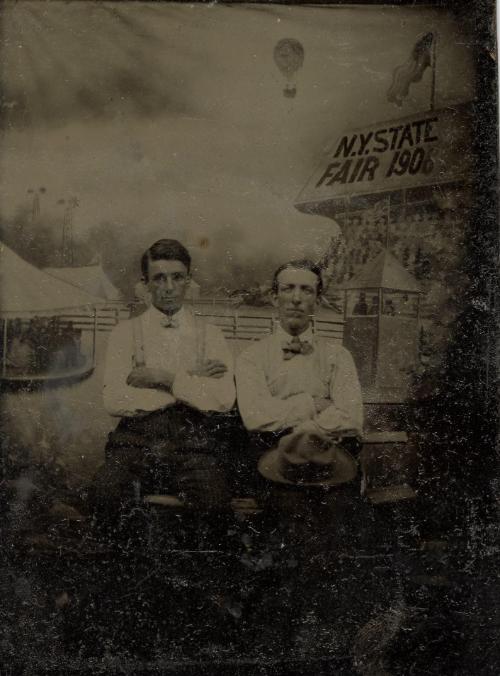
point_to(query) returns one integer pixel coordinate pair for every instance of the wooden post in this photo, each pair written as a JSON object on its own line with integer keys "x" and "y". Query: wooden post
{"x": 94, "y": 337}
{"x": 377, "y": 342}
{"x": 433, "y": 80}
{"x": 388, "y": 224}
{"x": 418, "y": 330}
{"x": 4, "y": 358}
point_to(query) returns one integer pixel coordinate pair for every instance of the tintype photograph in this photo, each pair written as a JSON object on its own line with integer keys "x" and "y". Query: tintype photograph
{"x": 248, "y": 264}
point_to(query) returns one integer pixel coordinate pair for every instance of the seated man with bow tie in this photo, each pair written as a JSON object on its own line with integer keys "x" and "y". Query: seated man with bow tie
{"x": 169, "y": 377}
{"x": 292, "y": 380}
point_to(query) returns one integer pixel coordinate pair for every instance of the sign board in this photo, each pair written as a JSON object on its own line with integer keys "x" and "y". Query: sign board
{"x": 418, "y": 150}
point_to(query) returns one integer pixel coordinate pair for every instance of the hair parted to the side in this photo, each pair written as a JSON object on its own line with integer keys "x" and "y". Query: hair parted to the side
{"x": 165, "y": 250}
{"x": 302, "y": 264}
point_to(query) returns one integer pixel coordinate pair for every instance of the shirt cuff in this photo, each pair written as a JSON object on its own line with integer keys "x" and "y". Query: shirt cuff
{"x": 335, "y": 425}
{"x": 138, "y": 403}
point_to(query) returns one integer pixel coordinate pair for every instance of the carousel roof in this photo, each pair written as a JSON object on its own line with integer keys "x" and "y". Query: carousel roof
{"x": 383, "y": 272}
{"x": 27, "y": 290}
{"x": 89, "y": 278}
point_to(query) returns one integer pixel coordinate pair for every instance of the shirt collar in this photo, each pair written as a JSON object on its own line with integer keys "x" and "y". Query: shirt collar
{"x": 306, "y": 336}
{"x": 155, "y": 317}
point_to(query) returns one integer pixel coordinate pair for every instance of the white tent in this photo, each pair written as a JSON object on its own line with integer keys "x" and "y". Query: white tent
{"x": 26, "y": 290}
{"x": 89, "y": 278}
{"x": 383, "y": 272}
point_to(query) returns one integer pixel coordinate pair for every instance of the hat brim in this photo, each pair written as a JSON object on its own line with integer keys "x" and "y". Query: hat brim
{"x": 346, "y": 469}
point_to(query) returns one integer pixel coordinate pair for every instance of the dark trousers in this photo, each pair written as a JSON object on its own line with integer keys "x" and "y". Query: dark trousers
{"x": 179, "y": 451}
{"x": 249, "y": 481}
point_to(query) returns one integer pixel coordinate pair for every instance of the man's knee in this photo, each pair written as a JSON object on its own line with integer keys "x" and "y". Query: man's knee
{"x": 202, "y": 482}
{"x": 114, "y": 482}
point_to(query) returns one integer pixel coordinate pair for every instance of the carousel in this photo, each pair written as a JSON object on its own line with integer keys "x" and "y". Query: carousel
{"x": 48, "y": 327}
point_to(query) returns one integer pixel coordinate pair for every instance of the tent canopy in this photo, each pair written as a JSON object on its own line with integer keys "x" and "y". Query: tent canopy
{"x": 383, "y": 272}
{"x": 89, "y": 278}
{"x": 25, "y": 289}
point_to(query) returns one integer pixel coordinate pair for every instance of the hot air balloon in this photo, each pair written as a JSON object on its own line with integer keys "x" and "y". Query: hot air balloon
{"x": 289, "y": 57}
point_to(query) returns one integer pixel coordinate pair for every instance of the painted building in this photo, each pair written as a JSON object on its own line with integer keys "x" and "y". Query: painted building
{"x": 381, "y": 310}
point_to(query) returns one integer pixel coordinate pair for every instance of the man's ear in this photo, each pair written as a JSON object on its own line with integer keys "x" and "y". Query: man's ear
{"x": 274, "y": 298}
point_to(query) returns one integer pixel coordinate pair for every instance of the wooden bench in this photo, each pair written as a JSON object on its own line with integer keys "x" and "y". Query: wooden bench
{"x": 387, "y": 467}
{"x": 384, "y": 478}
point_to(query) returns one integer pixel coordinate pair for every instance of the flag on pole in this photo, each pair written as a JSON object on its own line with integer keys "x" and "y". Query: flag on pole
{"x": 35, "y": 208}
{"x": 412, "y": 70}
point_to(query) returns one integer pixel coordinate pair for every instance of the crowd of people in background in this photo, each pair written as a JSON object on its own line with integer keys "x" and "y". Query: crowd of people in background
{"x": 42, "y": 345}
{"x": 397, "y": 305}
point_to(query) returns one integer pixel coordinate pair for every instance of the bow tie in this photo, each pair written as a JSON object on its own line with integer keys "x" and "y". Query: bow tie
{"x": 169, "y": 322}
{"x": 296, "y": 346}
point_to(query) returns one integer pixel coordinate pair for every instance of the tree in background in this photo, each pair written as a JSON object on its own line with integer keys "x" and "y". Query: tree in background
{"x": 425, "y": 268}
{"x": 424, "y": 350}
{"x": 32, "y": 239}
{"x": 417, "y": 263}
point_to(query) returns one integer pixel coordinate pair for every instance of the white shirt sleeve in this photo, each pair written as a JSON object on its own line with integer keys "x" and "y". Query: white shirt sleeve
{"x": 209, "y": 394}
{"x": 260, "y": 410}
{"x": 345, "y": 415}
{"x": 121, "y": 399}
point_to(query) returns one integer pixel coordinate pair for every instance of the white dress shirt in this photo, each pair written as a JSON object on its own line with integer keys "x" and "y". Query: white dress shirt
{"x": 177, "y": 350}
{"x": 275, "y": 393}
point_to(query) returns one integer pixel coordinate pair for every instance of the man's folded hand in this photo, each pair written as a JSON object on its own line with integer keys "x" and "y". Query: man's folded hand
{"x": 143, "y": 376}
{"x": 210, "y": 368}
{"x": 321, "y": 404}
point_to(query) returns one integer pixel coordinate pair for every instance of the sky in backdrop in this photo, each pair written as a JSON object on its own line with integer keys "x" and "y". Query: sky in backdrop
{"x": 169, "y": 119}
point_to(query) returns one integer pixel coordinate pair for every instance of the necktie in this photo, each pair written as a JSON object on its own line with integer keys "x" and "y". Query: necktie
{"x": 296, "y": 346}
{"x": 170, "y": 322}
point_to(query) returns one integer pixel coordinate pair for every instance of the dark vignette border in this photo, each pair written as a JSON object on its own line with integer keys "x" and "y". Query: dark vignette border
{"x": 461, "y": 416}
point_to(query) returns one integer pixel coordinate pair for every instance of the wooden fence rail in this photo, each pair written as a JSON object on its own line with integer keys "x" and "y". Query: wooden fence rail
{"x": 233, "y": 325}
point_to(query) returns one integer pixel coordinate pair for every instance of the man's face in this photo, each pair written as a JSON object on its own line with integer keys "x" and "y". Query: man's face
{"x": 167, "y": 283}
{"x": 296, "y": 298}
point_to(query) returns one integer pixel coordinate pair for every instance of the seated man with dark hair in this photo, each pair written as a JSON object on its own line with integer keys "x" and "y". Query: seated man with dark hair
{"x": 293, "y": 381}
{"x": 169, "y": 377}
{"x": 300, "y": 399}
